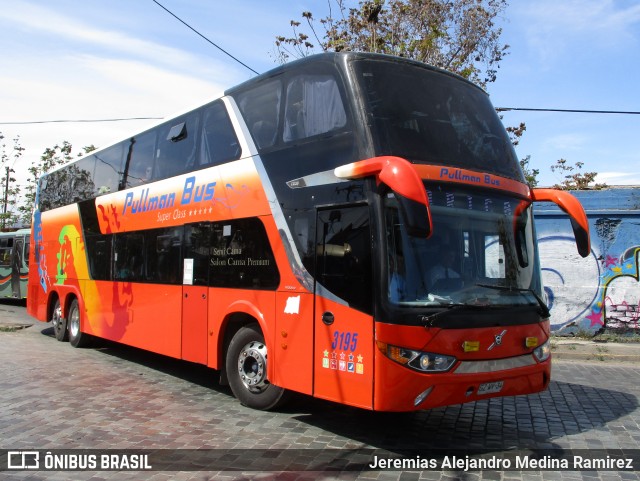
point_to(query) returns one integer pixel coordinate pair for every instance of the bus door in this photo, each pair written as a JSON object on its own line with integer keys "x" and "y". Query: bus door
{"x": 343, "y": 321}
{"x": 195, "y": 282}
{"x": 16, "y": 267}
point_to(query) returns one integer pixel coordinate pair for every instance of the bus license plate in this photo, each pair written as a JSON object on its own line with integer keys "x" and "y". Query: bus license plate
{"x": 490, "y": 387}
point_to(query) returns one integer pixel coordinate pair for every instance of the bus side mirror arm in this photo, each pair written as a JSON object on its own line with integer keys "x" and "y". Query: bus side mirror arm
{"x": 573, "y": 208}
{"x": 401, "y": 177}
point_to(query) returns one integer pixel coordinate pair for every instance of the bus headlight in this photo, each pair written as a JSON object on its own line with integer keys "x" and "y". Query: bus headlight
{"x": 542, "y": 352}
{"x": 417, "y": 360}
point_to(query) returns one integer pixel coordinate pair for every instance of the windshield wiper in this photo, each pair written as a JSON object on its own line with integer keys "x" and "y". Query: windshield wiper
{"x": 544, "y": 310}
{"x": 428, "y": 320}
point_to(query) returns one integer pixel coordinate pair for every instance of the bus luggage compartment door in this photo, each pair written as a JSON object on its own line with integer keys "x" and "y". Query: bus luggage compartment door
{"x": 194, "y": 323}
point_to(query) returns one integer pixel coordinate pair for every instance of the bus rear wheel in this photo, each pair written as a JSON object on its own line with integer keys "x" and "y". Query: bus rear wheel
{"x": 59, "y": 322}
{"x": 246, "y": 367}
{"x": 77, "y": 338}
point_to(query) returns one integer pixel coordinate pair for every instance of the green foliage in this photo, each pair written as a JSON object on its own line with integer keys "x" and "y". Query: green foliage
{"x": 574, "y": 179}
{"x": 10, "y": 190}
{"x": 457, "y": 35}
{"x": 530, "y": 175}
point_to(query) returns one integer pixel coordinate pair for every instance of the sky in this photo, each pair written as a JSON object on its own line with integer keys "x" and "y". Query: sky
{"x": 72, "y": 59}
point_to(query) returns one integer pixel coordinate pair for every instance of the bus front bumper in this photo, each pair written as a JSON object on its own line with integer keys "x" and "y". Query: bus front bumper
{"x": 401, "y": 389}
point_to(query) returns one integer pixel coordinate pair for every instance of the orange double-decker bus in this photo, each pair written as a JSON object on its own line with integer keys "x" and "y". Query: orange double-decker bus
{"x": 354, "y": 227}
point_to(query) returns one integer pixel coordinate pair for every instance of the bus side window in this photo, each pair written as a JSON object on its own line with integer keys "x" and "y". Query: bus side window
{"x": 260, "y": 107}
{"x": 197, "y": 242}
{"x": 141, "y": 162}
{"x": 313, "y": 107}
{"x": 241, "y": 256}
{"x": 81, "y": 183}
{"x": 343, "y": 255}
{"x": 5, "y": 256}
{"x": 163, "y": 255}
{"x": 129, "y": 257}
{"x": 99, "y": 255}
{"x": 108, "y": 170}
{"x": 25, "y": 257}
{"x": 176, "y": 152}
{"x": 218, "y": 142}
{"x": 54, "y": 190}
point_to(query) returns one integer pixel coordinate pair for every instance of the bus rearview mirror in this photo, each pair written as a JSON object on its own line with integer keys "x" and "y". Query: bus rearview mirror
{"x": 569, "y": 204}
{"x": 401, "y": 177}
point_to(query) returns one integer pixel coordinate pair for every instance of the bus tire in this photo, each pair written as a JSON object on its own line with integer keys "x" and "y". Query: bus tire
{"x": 246, "y": 368}
{"x": 59, "y": 322}
{"x": 77, "y": 338}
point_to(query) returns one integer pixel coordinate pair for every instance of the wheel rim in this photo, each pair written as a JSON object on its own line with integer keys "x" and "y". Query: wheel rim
{"x": 74, "y": 322}
{"x": 252, "y": 366}
{"x": 56, "y": 318}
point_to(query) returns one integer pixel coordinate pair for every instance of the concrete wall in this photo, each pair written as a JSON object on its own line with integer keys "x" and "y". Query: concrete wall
{"x": 601, "y": 290}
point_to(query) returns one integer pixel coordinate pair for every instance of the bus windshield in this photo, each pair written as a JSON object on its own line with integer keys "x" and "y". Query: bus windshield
{"x": 431, "y": 117}
{"x": 482, "y": 252}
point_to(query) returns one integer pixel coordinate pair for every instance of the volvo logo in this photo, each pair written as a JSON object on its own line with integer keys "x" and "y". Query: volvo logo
{"x": 497, "y": 340}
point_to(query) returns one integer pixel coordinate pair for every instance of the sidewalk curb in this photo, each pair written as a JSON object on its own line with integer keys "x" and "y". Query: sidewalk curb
{"x": 579, "y": 350}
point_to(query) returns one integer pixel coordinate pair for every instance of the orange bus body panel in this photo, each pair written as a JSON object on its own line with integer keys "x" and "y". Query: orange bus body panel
{"x": 343, "y": 363}
{"x": 231, "y": 191}
{"x": 293, "y": 345}
{"x": 223, "y": 303}
{"x": 147, "y": 316}
{"x": 194, "y": 323}
{"x": 398, "y": 386}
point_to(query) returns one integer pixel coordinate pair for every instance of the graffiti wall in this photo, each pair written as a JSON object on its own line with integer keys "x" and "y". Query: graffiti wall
{"x": 603, "y": 289}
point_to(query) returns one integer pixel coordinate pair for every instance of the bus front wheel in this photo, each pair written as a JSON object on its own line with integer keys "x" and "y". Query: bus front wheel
{"x": 59, "y": 322}
{"x": 246, "y": 367}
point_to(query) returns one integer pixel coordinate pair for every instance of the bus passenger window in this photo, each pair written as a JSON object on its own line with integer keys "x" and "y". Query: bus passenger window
{"x": 99, "y": 254}
{"x": 54, "y": 188}
{"x": 241, "y": 256}
{"x": 81, "y": 182}
{"x": 5, "y": 257}
{"x": 260, "y": 108}
{"x": 141, "y": 159}
{"x": 108, "y": 170}
{"x": 176, "y": 152}
{"x": 26, "y": 252}
{"x": 218, "y": 142}
{"x": 314, "y": 106}
{"x": 163, "y": 255}
{"x": 129, "y": 257}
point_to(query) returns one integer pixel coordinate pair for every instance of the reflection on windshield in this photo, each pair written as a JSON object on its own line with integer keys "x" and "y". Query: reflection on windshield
{"x": 481, "y": 252}
{"x": 429, "y": 116}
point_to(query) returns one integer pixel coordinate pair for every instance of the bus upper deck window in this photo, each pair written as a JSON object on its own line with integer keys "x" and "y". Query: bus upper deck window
{"x": 218, "y": 142}
{"x": 260, "y": 107}
{"x": 314, "y": 106}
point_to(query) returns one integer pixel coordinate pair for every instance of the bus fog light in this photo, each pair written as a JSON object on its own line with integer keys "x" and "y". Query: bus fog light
{"x": 422, "y": 396}
{"x": 542, "y": 352}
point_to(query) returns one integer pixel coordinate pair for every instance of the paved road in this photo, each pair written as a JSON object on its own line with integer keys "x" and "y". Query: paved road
{"x": 112, "y": 397}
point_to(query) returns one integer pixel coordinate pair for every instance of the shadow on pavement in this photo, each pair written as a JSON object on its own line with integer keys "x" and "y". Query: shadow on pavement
{"x": 13, "y": 302}
{"x": 521, "y": 422}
